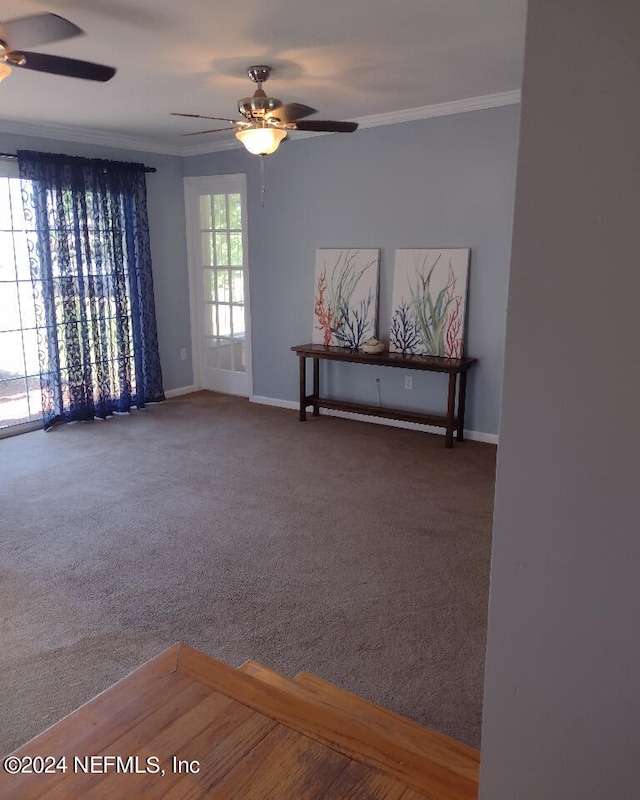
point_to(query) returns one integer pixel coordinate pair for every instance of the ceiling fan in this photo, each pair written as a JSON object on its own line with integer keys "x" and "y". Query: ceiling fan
{"x": 266, "y": 121}
{"x": 37, "y": 29}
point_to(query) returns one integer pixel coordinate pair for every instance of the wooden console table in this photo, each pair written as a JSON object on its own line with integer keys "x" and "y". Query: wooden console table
{"x": 455, "y": 368}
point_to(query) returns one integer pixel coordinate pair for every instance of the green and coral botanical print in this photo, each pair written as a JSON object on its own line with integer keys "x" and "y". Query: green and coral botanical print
{"x": 346, "y": 297}
{"x": 429, "y": 302}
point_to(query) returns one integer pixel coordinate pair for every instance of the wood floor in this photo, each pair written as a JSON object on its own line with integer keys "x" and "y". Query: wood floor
{"x": 187, "y": 726}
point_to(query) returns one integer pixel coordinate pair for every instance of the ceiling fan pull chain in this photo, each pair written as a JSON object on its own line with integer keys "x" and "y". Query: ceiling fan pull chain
{"x": 262, "y": 180}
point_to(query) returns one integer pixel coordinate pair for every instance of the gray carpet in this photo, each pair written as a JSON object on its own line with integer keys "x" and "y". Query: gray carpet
{"x": 354, "y": 551}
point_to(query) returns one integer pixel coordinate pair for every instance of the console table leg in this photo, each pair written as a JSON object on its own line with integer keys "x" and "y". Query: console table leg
{"x": 316, "y": 385}
{"x": 451, "y": 405}
{"x": 303, "y": 388}
{"x": 462, "y": 394}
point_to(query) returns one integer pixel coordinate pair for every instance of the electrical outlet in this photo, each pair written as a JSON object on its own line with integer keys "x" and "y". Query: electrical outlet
{"x": 408, "y": 382}
{"x": 183, "y": 354}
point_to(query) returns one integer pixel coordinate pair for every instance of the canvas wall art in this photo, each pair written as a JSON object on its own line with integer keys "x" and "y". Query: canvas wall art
{"x": 346, "y": 297}
{"x": 429, "y": 302}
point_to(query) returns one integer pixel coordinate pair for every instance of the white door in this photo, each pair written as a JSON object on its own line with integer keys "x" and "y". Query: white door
{"x": 216, "y": 212}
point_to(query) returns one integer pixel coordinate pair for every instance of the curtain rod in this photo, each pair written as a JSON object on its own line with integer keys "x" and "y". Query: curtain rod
{"x": 14, "y": 157}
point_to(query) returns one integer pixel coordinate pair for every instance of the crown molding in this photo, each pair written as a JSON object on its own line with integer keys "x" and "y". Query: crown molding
{"x": 442, "y": 109}
{"x": 70, "y": 133}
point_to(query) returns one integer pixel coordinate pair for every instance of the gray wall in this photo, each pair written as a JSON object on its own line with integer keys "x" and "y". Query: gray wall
{"x": 439, "y": 182}
{"x": 168, "y": 243}
{"x": 562, "y": 700}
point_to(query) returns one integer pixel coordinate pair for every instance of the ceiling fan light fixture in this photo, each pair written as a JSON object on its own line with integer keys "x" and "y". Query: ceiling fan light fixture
{"x": 5, "y": 70}
{"x": 261, "y": 141}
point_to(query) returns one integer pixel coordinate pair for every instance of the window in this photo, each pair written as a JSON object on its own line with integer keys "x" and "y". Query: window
{"x": 223, "y": 261}
{"x": 20, "y": 396}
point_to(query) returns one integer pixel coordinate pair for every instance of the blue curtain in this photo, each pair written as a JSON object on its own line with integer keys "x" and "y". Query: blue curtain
{"x": 90, "y": 261}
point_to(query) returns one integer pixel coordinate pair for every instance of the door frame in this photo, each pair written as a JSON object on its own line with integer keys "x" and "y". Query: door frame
{"x": 213, "y": 184}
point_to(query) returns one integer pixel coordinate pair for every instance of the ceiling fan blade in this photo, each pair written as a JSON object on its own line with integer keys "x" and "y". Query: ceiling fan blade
{"x": 328, "y": 125}
{"x": 213, "y": 130}
{"x": 56, "y": 65}
{"x": 201, "y": 116}
{"x": 37, "y": 29}
{"x": 290, "y": 112}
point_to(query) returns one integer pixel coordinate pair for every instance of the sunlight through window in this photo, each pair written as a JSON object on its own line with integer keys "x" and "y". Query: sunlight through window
{"x": 20, "y": 398}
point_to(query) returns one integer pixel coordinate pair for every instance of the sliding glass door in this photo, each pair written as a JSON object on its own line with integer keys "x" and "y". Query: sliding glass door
{"x": 20, "y": 397}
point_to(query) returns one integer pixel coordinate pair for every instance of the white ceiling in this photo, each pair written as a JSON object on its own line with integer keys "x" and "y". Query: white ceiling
{"x": 371, "y": 61}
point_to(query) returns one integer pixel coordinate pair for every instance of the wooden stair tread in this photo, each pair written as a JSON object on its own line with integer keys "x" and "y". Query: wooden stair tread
{"x": 245, "y": 732}
{"x": 320, "y": 722}
{"x": 411, "y": 734}
{"x": 437, "y": 747}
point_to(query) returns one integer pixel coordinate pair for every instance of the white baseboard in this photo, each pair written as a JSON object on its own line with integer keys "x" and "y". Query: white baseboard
{"x": 177, "y": 392}
{"x": 272, "y": 401}
{"x": 478, "y": 436}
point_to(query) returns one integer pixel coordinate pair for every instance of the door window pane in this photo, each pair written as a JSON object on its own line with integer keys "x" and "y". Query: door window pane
{"x": 6, "y": 221}
{"x": 237, "y": 286}
{"x": 15, "y": 407}
{"x": 210, "y": 320}
{"x": 206, "y": 219}
{"x": 222, "y": 249}
{"x": 238, "y": 321}
{"x": 224, "y": 295}
{"x": 9, "y": 308}
{"x": 7, "y": 256}
{"x": 27, "y": 307}
{"x": 21, "y": 251}
{"x": 235, "y": 212}
{"x": 209, "y": 285}
{"x": 220, "y": 210}
{"x": 235, "y": 242}
{"x": 208, "y": 254}
{"x": 11, "y": 355}
{"x": 226, "y": 353}
{"x": 31, "y": 357}
{"x": 211, "y": 353}
{"x": 17, "y": 207}
{"x": 239, "y": 355}
{"x": 224, "y": 320}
